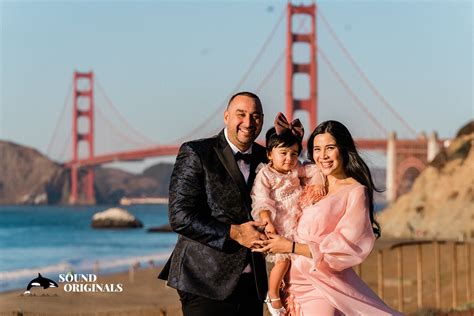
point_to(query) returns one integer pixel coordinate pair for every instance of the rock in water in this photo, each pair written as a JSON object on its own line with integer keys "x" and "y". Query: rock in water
{"x": 115, "y": 218}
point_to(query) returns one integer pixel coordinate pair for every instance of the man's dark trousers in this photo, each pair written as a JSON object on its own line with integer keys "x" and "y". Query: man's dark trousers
{"x": 243, "y": 301}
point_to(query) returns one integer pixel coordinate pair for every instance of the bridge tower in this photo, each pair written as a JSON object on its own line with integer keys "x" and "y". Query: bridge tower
{"x": 406, "y": 159}
{"x": 83, "y": 112}
{"x": 309, "y": 69}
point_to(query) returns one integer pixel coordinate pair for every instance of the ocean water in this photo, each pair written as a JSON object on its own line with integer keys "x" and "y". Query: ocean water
{"x": 58, "y": 239}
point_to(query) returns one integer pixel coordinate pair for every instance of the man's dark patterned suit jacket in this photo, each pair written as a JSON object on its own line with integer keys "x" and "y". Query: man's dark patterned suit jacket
{"x": 207, "y": 194}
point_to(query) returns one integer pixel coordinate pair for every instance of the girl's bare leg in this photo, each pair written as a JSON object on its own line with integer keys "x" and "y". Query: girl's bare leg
{"x": 276, "y": 276}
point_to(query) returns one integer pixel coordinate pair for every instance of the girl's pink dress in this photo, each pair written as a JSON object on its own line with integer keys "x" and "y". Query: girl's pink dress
{"x": 339, "y": 233}
{"x": 279, "y": 193}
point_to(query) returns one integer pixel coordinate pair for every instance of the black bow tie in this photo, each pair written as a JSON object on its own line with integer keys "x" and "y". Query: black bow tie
{"x": 245, "y": 157}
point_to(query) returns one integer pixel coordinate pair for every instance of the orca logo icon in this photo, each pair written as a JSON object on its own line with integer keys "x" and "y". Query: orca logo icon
{"x": 40, "y": 282}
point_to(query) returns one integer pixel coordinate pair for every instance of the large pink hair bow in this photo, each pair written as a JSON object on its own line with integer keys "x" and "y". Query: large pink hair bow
{"x": 282, "y": 125}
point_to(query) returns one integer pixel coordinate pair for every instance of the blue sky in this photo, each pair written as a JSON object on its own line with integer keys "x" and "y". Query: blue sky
{"x": 168, "y": 65}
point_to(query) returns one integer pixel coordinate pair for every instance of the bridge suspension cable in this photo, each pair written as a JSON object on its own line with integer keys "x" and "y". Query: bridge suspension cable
{"x": 267, "y": 76}
{"x": 301, "y": 25}
{"x": 351, "y": 93}
{"x": 239, "y": 84}
{"x": 363, "y": 75}
{"x": 116, "y": 130}
{"x": 271, "y": 72}
{"x": 344, "y": 84}
{"x": 60, "y": 119}
{"x": 142, "y": 138}
{"x": 62, "y": 155}
{"x": 275, "y": 65}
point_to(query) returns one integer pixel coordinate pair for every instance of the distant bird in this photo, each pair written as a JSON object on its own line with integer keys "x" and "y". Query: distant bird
{"x": 270, "y": 8}
{"x": 40, "y": 281}
{"x": 204, "y": 51}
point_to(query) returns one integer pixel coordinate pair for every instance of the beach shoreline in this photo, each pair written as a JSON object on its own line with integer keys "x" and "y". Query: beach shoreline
{"x": 143, "y": 294}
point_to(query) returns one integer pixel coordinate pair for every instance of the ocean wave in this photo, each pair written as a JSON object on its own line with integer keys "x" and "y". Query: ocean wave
{"x": 132, "y": 260}
{"x": 83, "y": 266}
{"x": 31, "y": 272}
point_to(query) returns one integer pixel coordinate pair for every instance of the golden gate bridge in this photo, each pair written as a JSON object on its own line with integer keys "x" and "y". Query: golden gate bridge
{"x": 402, "y": 154}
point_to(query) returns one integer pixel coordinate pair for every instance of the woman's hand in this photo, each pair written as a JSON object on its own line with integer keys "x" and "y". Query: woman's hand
{"x": 269, "y": 228}
{"x": 319, "y": 190}
{"x": 311, "y": 194}
{"x": 275, "y": 244}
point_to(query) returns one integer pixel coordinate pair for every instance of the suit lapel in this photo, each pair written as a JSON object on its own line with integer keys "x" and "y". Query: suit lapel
{"x": 226, "y": 156}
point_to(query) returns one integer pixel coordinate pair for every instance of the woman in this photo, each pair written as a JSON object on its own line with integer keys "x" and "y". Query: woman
{"x": 333, "y": 235}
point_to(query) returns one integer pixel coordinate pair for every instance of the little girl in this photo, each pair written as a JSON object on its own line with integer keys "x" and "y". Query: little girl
{"x": 277, "y": 195}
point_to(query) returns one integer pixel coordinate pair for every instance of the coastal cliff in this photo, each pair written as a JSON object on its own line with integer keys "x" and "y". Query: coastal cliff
{"x": 112, "y": 184}
{"x": 29, "y": 177}
{"x": 441, "y": 201}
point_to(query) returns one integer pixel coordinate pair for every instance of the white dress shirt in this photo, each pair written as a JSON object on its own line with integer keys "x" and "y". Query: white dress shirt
{"x": 243, "y": 166}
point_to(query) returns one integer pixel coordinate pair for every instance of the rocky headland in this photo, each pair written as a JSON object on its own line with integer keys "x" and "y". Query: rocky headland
{"x": 29, "y": 177}
{"x": 441, "y": 202}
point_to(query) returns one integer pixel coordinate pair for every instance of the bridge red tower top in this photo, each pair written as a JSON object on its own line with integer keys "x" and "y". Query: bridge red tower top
{"x": 83, "y": 107}
{"x": 308, "y": 68}
{"x": 83, "y": 99}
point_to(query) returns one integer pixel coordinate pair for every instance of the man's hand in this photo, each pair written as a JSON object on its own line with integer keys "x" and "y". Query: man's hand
{"x": 247, "y": 233}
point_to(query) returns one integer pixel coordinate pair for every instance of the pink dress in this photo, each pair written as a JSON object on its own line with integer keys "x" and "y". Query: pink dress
{"x": 339, "y": 233}
{"x": 279, "y": 193}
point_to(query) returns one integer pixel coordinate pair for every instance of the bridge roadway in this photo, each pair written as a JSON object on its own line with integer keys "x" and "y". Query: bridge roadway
{"x": 169, "y": 150}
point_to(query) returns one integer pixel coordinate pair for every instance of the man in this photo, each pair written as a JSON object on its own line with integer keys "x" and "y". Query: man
{"x": 212, "y": 266}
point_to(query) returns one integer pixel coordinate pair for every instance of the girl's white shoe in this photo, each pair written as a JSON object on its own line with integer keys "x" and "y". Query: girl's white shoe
{"x": 274, "y": 311}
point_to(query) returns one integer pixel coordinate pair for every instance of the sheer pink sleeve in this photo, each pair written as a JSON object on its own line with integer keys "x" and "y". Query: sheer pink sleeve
{"x": 352, "y": 239}
{"x": 261, "y": 196}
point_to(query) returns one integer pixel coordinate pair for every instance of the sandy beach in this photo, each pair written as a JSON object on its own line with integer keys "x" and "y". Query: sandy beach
{"x": 144, "y": 295}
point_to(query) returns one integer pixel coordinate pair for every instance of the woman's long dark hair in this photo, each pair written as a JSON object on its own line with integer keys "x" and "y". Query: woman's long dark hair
{"x": 352, "y": 163}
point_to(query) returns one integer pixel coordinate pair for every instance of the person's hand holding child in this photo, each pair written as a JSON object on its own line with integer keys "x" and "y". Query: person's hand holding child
{"x": 311, "y": 194}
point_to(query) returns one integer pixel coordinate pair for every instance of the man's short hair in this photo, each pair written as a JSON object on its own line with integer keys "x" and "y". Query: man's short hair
{"x": 246, "y": 94}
